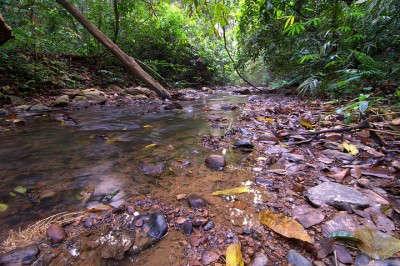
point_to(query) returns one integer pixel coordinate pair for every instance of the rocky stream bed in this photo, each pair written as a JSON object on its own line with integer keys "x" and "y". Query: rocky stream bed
{"x": 118, "y": 177}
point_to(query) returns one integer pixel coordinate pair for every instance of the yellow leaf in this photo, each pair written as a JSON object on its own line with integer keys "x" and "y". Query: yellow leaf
{"x": 147, "y": 126}
{"x": 306, "y": 123}
{"x": 350, "y": 148}
{"x": 284, "y": 225}
{"x": 150, "y": 146}
{"x": 268, "y": 120}
{"x": 231, "y": 191}
{"x": 376, "y": 244}
{"x": 234, "y": 255}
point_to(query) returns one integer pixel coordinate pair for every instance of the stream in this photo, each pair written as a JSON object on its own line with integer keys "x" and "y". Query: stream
{"x": 112, "y": 153}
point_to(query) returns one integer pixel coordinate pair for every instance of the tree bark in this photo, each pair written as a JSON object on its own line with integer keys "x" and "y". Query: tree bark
{"x": 5, "y": 31}
{"x": 116, "y": 20}
{"x": 130, "y": 63}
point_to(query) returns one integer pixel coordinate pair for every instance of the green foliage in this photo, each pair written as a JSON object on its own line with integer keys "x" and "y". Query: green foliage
{"x": 330, "y": 47}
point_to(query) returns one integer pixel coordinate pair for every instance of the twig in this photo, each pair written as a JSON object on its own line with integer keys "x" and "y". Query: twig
{"x": 385, "y": 132}
{"x": 300, "y": 142}
{"x": 362, "y": 125}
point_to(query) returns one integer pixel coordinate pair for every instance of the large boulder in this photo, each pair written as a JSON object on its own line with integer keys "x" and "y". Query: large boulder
{"x": 61, "y": 101}
{"x": 141, "y": 90}
{"x": 94, "y": 95}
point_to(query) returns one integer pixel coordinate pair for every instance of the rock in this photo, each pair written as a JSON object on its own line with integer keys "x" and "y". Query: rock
{"x": 343, "y": 254}
{"x": 335, "y": 154}
{"x": 39, "y": 108}
{"x": 172, "y": 106}
{"x": 155, "y": 225}
{"x": 361, "y": 260}
{"x": 55, "y": 233}
{"x": 307, "y": 216}
{"x": 141, "y": 90}
{"x": 15, "y": 100}
{"x": 196, "y": 201}
{"x": 72, "y": 92}
{"x": 94, "y": 95}
{"x": 244, "y": 145}
{"x": 154, "y": 170}
{"x": 215, "y": 162}
{"x": 243, "y": 91}
{"x": 181, "y": 196}
{"x": 20, "y": 256}
{"x": 229, "y": 107}
{"x": 395, "y": 122}
{"x": 209, "y": 257}
{"x": 22, "y": 108}
{"x": 138, "y": 97}
{"x": 340, "y": 222}
{"x": 329, "y": 193}
{"x": 208, "y": 226}
{"x": 3, "y": 112}
{"x": 260, "y": 260}
{"x": 61, "y": 101}
{"x": 114, "y": 244}
{"x": 296, "y": 259}
{"x": 187, "y": 228}
{"x": 199, "y": 221}
{"x": 382, "y": 222}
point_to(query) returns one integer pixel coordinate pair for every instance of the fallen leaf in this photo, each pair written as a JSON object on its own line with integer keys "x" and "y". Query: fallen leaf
{"x": 147, "y": 126}
{"x": 284, "y": 225}
{"x": 231, "y": 191}
{"x": 339, "y": 174}
{"x": 3, "y": 207}
{"x": 376, "y": 244}
{"x": 150, "y": 146}
{"x": 268, "y": 120}
{"x": 350, "y": 148}
{"x": 306, "y": 123}
{"x": 234, "y": 255}
{"x": 20, "y": 189}
{"x": 396, "y": 122}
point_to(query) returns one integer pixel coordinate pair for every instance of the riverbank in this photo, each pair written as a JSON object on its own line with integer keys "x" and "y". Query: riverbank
{"x": 284, "y": 156}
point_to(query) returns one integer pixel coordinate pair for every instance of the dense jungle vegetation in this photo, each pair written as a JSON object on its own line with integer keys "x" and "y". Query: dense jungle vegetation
{"x": 331, "y": 47}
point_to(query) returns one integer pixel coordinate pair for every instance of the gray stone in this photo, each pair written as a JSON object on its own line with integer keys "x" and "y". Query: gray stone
{"x": 196, "y": 201}
{"x": 340, "y": 222}
{"x": 141, "y": 90}
{"x": 335, "y": 154}
{"x": 244, "y": 145}
{"x": 55, "y": 233}
{"x": 19, "y": 256}
{"x": 329, "y": 193}
{"x": 154, "y": 170}
{"x": 361, "y": 260}
{"x": 39, "y": 108}
{"x": 260, "y": 260}
{"x": 296, "y": 259}
{"x": 22, "y": 108}
{"x": 343, "y": 254}
{"x": 61, "y": 101}
{"x": 307, "y": 215}
{"x": 215, "y": 162}
{"x": 94, "y": 95}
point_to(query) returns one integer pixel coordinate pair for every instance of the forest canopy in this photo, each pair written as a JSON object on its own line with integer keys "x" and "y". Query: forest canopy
{"x": 332, "y": 48}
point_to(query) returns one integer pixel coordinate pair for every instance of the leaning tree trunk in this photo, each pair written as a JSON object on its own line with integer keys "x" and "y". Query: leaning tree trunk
{"x": 125, "y": 59}
{"x": 5, "y": 31}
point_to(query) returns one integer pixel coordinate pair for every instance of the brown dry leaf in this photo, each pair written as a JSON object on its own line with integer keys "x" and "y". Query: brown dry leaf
{"x": 339, "y": 174}
{"x": 376, "y": 244}
{"x": 306, "y": 123}
{"x": 234, "y": 255}
{"x": 395, "y": 122}
{"x": 284, "y": 225}
{"x": 267, "y": 120}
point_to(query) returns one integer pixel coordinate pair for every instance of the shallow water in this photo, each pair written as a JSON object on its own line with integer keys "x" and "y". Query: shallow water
{"x": 60, "y": 165}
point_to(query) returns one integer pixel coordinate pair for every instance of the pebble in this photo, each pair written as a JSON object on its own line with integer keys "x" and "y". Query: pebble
{"x": 209, "y": 225}
{"x": 209, "y": 257}
{"x": 196, "y": 201}
{"x": 361, "y": 260}
{"x": 343, "y": 254}
{"x": 187, "y": 228}
{"x": 215, "y": 162}
{"x": 296, "y": 259}
{"x": 244, "y": 145}
{"x": 55, "y": 233}
{"x": 260, "y": 260}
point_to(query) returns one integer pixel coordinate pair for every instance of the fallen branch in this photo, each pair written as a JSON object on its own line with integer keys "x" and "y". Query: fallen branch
{"x": 364, "y": 124}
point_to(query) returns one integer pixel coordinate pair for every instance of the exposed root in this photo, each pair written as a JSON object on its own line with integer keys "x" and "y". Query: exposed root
{"x": 37, "y": 231}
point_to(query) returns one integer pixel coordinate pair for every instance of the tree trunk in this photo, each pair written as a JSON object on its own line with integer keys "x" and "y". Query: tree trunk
{"x": 125, "y": 59}
{"x": 116, "y": 20}
{"x": 5, "y": 31}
